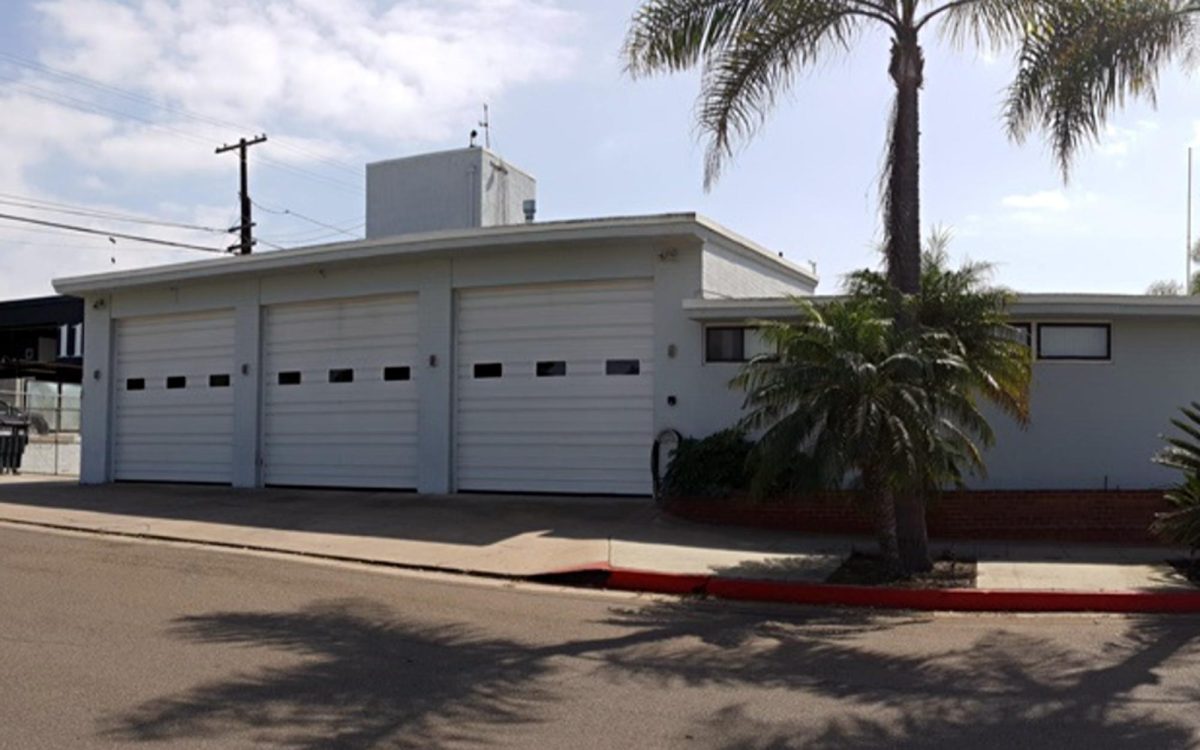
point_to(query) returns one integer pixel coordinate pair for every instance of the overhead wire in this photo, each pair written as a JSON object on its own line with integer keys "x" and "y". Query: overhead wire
{"x": 62, "y": 208}
{"x": 110, "y": 234}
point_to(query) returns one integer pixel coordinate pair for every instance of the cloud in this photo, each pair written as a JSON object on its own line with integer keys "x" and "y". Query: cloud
{"x": 412, "y": 71}
{"x": 1047, "y": 200}
{"x": 1118, "y": 142}
{"x": 329, "y": 80}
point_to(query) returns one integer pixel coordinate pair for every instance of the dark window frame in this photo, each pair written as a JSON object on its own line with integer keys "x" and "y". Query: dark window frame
{"x": 176, "y": 382}
{"x": 484, "y": 370}
{"x": 289, "y": 378}
{"x": 341, "y": 375}
{"x": 1027, "y": 327}
{"x": 135, "y": 384}
{"x": 1107, "y": 357}
{"x": 551, "y": 368}
{"x": 220, "y": 380}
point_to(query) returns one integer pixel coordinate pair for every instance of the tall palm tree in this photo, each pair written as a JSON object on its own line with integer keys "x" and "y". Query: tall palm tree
{"x": 1077, "y": 61}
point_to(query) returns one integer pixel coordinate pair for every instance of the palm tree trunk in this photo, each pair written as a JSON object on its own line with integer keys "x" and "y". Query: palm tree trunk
{"x": 903, "y": 221}
{"x": 884, "y": 511}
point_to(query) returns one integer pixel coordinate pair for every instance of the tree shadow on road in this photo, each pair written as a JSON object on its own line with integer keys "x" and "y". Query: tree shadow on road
{"x": 366, "y": 676}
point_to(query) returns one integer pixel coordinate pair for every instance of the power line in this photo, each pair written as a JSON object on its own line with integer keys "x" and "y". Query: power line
{"x": 83, "y": 80}
{"x": 302, "y": 217}
{"x": 51, "y": 207}
{"x": 104, "y": 233}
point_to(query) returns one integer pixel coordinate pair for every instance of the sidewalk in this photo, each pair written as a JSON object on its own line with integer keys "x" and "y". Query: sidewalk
{"x": 531, "y": 536}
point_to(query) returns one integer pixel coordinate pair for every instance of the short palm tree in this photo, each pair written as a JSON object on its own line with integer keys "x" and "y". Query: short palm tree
{"x": 860, "y": 396}
{"x": 961, "y": 304}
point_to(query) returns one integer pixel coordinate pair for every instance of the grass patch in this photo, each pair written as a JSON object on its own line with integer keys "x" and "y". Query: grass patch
{"x": 862, "y": 569}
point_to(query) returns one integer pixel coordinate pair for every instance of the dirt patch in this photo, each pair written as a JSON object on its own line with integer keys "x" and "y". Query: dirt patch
{"x": 861, "y": 569}
{"x": 1189, "y": 568}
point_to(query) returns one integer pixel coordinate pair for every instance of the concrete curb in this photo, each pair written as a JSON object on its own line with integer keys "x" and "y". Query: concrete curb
{"x": 942, "y": 600}
{"x": 603, "y": 575}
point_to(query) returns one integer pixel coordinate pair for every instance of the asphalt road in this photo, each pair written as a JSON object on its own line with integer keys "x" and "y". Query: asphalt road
{"x": 118, "y": 643}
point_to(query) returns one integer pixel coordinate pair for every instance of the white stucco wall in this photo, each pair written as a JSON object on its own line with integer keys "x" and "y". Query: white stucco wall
{"x": 1096, "y": 424}
{"x": 730, "y": 274}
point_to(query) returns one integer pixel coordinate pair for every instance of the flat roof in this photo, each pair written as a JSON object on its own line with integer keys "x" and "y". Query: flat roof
{"x": 1032, "y": 305}
{"x": 489, "y": 239}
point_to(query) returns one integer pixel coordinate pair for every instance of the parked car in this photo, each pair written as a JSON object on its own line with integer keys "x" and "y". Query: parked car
{"x": 36, "y": 422}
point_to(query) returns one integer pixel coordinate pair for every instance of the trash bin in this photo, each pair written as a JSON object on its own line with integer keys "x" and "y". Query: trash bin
{"x": 14, "y": 435}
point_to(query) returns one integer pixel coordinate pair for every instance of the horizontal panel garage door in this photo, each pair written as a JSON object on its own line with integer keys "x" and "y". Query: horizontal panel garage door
{"x": 173, "y": 398}
{"x": 556, "y": 388}
{"x": 340, "y": 404}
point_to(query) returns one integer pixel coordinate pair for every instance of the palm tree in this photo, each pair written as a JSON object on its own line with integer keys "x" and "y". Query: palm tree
{"x": 1181, "y": 525}
{"x": 961, "y": 304}
{"x": 858, "y": 395}
{"x": 1077, "y": 60}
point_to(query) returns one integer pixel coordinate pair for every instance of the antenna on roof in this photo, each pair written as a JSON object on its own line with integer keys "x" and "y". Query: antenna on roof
{"x": 486, "y": 124}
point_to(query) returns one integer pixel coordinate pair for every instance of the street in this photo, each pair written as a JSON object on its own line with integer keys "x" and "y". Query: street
{"x": 107, "y": 642}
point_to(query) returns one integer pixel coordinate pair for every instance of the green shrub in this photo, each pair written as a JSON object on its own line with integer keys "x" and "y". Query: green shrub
{"x": 724, "y": 463}
{"x": 712, "y": 467}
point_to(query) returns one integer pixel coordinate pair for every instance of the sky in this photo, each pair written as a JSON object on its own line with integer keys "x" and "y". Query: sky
{"x": 115, "y": 107}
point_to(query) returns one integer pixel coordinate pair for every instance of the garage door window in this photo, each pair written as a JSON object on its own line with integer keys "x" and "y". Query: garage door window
{"x": 341, "y": 376}
{"x": 489, "y": 370}
{"x": 135, "y": 384}
{"x": 289, "y": 378}
{"x": 623, "y": 367}
{"x": 218, "y": 381}
{"x": 396, "y": 374}
{"x": 556, "y": 369}
{"x": 176, "y": 382}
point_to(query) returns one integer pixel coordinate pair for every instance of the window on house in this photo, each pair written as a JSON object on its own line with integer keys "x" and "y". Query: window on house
{"x": 289, "y": 378}
{"x": 734, "y": 344}
{"x": 394, "y": 374}
{"x": 1074, "y": 341}
{"x": 135, "y": 384}
{"x": 555, "y": 369}
{"x": 345, "y": 375}
{"x": 489, "y": 370}
{"x": 622, "y": 367}
{"x": 1022, "y": 332}
{"x": 78, "y": 348}
{"x": 64, "y": 344}
{"x": 218, "y": 381}
{"x": 175, "y": 382}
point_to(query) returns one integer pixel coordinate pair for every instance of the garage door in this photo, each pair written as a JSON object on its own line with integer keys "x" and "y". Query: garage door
{"x": 339, "y": 401}
{"x": 173, "y": 398}
{"x": 556, "y": 388}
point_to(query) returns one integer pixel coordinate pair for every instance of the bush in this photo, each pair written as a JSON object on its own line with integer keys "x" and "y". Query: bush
{"x": 724, "y": 464}
{"x": 712, "y": 467}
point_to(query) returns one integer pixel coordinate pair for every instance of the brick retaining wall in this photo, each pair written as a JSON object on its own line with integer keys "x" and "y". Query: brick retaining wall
{"x": 1117, "y": 517}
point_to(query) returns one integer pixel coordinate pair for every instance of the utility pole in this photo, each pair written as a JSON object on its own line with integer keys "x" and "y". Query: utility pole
{"x": 246, "y": 227}
{"x": 1187, "y": 283}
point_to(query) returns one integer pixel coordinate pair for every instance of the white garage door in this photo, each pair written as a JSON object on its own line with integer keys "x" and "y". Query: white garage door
{"x": 173, "y": 398}
{"x": 556, "y": 388}
{"x": 340, "y": 404}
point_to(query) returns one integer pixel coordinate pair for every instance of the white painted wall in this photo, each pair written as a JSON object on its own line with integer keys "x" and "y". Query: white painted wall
{"x": 1096, "y": 424}
{"x": 733, "y": 274}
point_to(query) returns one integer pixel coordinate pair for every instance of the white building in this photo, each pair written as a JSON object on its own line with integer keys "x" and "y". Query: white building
{"x": 461, "y": 348}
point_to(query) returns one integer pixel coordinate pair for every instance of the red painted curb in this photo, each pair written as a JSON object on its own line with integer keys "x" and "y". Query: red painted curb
{"x": 952, "y": 600}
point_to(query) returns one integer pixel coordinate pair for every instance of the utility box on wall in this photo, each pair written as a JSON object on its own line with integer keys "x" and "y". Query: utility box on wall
{"x": 463, "y": 189}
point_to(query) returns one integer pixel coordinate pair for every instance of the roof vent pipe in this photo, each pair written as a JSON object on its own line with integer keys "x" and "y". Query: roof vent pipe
{"x": 530, "y": 207}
